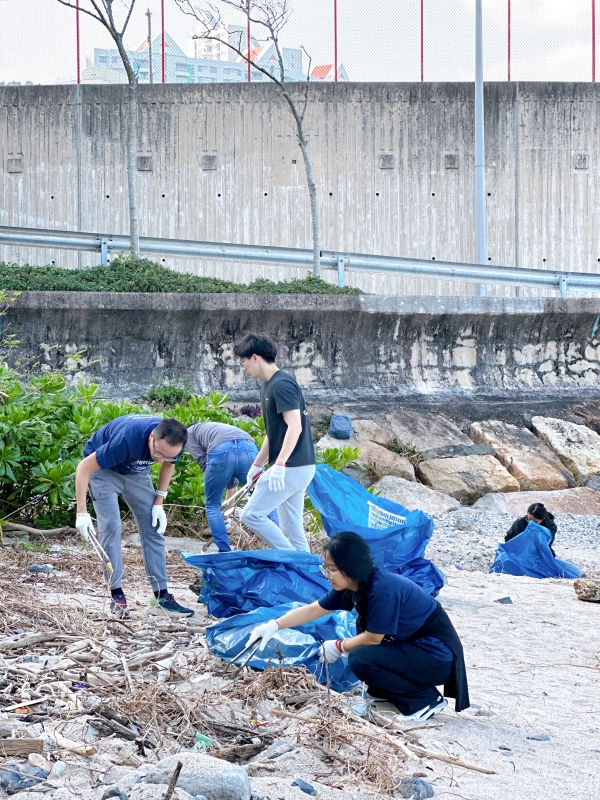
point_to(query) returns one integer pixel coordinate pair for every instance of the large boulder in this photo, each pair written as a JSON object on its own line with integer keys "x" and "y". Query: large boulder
{"x": 467, "y": 478}
{"x": 425, "y": 431}
{"x": 577, "y": 446}
{"x": 202, "y": 774}
{"x": 414, "y": 495}
{"x": 376, "y": 456}
{"x": 566, "y": 501}
{"x": 529, "y": 460}
{"x": 589, "y": 411}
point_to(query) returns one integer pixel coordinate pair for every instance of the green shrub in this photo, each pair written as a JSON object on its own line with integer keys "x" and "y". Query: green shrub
{"x": 125, "y": 274}
{"x": 166, "y": 396}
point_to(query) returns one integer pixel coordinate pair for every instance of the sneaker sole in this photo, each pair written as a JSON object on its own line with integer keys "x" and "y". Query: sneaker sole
{"x": 159, "y": 611}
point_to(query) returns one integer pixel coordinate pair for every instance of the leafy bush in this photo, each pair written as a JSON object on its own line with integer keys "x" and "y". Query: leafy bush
{"x": 338, "y": 457}
{"x": 167, "y": 396}
{"x": 125, "y": 274}
{"x": 252, "y": 411}
{"x": 321, "y": 427}
{"x": 44, "y": 425}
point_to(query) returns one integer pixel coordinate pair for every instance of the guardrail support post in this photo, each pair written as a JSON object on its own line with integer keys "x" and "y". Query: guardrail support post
{"x": 104, "y": 251}
{"x": 562, "y": 282}
{"x": 341, "y": 267}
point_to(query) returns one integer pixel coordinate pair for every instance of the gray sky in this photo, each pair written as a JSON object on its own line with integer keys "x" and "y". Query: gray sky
{"x": 377, "y": 41}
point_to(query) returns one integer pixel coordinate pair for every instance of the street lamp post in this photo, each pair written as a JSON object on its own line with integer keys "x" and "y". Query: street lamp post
{"x": 149, "y": 15}
{"x": 480, "y": 195}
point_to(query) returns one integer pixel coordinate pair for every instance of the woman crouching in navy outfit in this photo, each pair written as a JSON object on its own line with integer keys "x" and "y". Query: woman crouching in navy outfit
{"x": 406, "y": 644}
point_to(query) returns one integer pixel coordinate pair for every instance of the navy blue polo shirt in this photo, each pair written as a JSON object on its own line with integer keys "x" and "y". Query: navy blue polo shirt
{"x": 396, "y": 607}
{"x": 122, "y": 444}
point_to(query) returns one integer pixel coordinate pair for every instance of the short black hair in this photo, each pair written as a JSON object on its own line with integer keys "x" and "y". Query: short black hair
{"x": 256, "y": 344}
{"x": 538, "y": 511}
{"x": 172, "y": 431}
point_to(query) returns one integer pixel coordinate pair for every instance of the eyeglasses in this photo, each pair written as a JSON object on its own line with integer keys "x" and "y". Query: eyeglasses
{"x": 327, "y": 570}
{"x": 168, "y": 459}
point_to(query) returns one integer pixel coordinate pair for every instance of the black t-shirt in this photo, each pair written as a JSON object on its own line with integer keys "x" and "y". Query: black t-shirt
{"x": 282, "y": 393}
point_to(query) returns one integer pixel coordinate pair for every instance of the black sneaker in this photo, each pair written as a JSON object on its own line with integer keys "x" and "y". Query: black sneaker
{"x": 168, "y": 606}
{"x": 118, "y": 606}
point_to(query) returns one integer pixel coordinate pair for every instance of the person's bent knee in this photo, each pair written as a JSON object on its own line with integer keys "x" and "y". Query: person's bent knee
{"x": 359, "y": 663}
{"x": 252, "y": 517}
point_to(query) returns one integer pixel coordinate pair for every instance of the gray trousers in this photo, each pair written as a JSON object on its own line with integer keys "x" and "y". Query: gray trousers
{"x": 138, "y": 492}
{"x": 289, "y": 535}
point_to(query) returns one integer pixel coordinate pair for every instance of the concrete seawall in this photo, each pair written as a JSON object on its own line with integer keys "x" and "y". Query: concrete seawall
{"x": 338, "y": 347}
{"x": 393, "y": 164}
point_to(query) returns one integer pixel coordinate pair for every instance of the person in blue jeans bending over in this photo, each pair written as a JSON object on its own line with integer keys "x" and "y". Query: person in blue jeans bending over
{"x": 288, "y": 447}
{"x": 225, "y": 454}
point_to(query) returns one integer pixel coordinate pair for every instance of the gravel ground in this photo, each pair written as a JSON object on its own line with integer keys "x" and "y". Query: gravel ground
{"x": 469, "y": 538}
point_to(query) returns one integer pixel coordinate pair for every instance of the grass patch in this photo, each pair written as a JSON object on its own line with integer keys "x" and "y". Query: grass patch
{"x": 125, "y": 274}
{"x": 408, "y": 450}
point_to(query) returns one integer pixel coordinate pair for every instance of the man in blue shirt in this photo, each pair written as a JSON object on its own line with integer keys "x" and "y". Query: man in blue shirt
{"x": 116, "y": 461}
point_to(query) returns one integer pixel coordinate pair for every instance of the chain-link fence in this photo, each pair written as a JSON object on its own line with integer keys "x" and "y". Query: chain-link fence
{"x": 44, "y": 42}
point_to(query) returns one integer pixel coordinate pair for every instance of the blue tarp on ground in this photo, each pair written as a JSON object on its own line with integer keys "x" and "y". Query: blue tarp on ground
{"x": 529, "y": 554}
{"x": 343, "y": 506}
{"x": 244, "y": 580}
{"x": 298, "y": 646}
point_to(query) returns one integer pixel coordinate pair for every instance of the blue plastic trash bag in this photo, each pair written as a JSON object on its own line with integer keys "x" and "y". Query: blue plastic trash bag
{"x": 242, "y": 581}
{"x": 298, "y": 646}
{"x": 425, "y": 573}
{"x": 529, "y": 554}
{"x": 344, "y": 506}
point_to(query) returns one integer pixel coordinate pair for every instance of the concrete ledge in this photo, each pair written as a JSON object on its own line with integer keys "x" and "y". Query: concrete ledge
{"x": 339, "y": 347}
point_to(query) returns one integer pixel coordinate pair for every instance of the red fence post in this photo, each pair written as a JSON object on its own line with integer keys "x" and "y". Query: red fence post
{"x": 509, "y": 40}
{"x": 593, "y": 41}
{"x": 78, "y": 38}
{"x": 335, "y": 41}
{"x": 248, "y": 42}
{"x": 422, "y": 49}
{"x": 162, "y": 44}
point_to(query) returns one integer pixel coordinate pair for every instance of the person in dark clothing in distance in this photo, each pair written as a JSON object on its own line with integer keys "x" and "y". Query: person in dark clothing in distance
{"x": 536, "y": 512}
{"x": 406, "y": 644}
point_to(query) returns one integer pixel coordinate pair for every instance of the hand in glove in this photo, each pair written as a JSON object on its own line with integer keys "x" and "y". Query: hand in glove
{"x": 159, "y": 518}
{"x": 267, "y": 630}
{"x": 330, "y": 651}
{"x": 252, "y": 473}
{"x": 85, "y": 526}
{"x": 277, "y": 478}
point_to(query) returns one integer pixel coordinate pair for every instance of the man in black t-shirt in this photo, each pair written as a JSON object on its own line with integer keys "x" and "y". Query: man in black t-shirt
{"x": 288, "y": 447}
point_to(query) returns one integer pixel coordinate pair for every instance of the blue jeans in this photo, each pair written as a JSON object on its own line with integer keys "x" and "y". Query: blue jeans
{"x": 224, "y": 463}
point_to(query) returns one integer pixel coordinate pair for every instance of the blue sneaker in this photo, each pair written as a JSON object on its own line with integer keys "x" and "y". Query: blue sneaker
{"x": 118, "y": 606}
{"x": 168, "y": 606}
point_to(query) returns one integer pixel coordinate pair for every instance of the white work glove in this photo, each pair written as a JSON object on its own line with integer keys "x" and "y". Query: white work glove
{"x": 267, "y": 630}
{"x": 159, "y": 518}
{"x": 276, "y": 478}
{"x": 85, "y": 526}
{"x": 252, "y": 473}
{"x": 329, "y": 652}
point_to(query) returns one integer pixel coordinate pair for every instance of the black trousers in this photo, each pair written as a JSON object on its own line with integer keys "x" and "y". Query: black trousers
{"x": 400, "y": 672}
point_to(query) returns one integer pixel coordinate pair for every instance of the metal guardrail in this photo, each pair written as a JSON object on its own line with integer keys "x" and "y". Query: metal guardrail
{"x": 292, "y": 257}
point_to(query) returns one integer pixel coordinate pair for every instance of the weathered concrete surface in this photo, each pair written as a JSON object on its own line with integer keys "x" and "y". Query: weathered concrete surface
{"x": 336, "y": 346}
{"x": 542, "y": 152}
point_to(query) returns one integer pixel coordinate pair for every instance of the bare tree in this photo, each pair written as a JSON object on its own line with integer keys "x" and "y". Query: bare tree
{"x": 102, "y": 11}
{"x": 270, "y": 16}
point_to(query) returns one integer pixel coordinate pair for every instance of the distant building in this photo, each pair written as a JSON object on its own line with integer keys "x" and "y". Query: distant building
{"x": 224, "y": 66}
{"x": 326, "y": 72}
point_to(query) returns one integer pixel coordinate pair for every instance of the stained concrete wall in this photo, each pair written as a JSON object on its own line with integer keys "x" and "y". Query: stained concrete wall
{"x": 542, "y": 151}
{"x": 344, "y": 347}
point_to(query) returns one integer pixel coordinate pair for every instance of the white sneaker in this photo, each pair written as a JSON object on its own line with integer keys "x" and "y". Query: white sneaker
{"x": 425, "y": 713}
